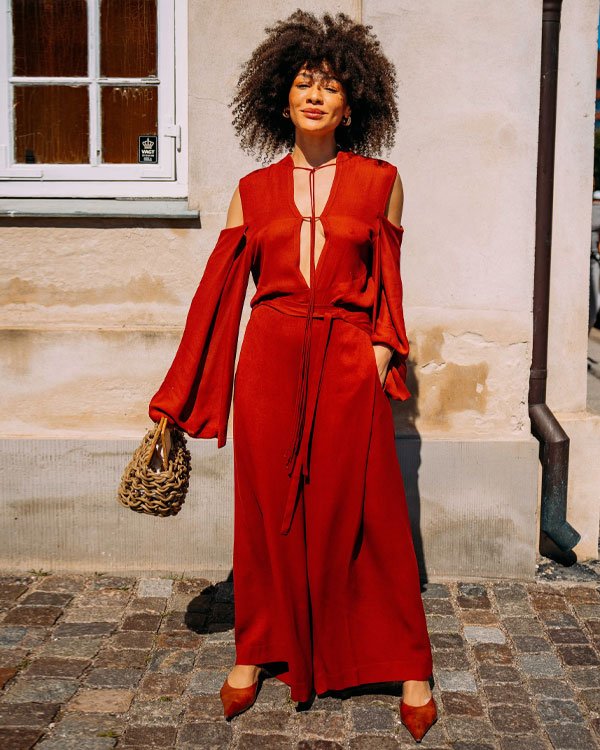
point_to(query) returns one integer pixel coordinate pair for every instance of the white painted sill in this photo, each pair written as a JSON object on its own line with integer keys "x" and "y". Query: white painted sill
{"x": 124, "y": 208}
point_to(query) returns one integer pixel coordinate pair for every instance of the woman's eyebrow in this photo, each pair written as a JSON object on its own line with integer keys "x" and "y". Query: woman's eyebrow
{"x": 325, "y": 79}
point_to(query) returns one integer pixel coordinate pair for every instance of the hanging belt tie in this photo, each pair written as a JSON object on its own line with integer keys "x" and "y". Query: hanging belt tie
{"x": 297, "y": 468}
{"x": 296, "y": 304}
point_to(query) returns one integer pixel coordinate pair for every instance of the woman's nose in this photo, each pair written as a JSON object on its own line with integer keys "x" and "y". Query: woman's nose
{"x": 314, "y": 93}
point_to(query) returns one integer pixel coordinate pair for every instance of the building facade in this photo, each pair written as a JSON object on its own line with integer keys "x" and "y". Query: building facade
{"x": 117, "y": 163}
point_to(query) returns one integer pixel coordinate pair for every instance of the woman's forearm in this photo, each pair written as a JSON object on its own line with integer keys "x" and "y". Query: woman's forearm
{"x": 383, "y": 356}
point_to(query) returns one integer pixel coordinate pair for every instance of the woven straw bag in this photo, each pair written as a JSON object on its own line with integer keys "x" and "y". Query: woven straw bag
{"x": 157, "y": 492}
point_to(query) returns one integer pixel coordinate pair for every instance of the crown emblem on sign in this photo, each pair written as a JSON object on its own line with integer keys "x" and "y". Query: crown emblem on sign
{"x": 147, "y": 143}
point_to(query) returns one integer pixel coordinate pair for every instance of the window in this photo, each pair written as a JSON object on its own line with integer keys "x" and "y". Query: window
{"x": 90, "y": 103}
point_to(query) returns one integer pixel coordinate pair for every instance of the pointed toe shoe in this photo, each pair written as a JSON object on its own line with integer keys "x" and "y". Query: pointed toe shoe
{"x": 418, "y": 719}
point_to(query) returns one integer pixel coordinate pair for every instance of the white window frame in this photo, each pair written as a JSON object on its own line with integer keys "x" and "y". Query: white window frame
{"x": 166, "y": 179}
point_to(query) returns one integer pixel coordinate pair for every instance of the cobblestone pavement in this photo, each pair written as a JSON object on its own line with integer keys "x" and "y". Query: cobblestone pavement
{"x": 99, "y": 661}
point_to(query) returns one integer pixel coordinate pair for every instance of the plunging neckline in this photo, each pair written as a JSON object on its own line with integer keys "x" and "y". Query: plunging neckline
{"x": 289, "y": 161}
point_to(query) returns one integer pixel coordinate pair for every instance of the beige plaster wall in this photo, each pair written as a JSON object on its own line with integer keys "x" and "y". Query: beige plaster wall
{"x": 91, "y": 311}
{"x": 567, "y": 363}
{"x": 466, "y": 153}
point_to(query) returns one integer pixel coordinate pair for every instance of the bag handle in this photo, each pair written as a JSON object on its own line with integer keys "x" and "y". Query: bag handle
{"x": 159, "y": 432}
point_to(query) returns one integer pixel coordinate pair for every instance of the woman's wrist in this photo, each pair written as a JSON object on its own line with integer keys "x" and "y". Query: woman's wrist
{"x": 383, "y": 353}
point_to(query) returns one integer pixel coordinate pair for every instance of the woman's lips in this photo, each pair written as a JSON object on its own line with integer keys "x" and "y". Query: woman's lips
{"x": 313, "y": 115}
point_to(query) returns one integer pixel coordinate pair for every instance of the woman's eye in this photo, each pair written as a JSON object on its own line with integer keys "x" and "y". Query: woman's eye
{"x": 328, "y": 88}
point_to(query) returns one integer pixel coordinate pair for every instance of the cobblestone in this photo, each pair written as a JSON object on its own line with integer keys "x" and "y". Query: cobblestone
{"x": 492, "y": 653}
{"x": 454, "y": 659}
{"x": 89, "y": 662}
{"x": 570, "y": 737}
{"x": 459, "y": 681}
{"x": 484, "y": 635}
{"x": 551, "y": 710}
{"x": 531, "y": 643}
{"x": 39, "y": 690}
{"x": 540, "y": 665}
{"x": 160, "y": 587}
{"x": 101, "y": 701}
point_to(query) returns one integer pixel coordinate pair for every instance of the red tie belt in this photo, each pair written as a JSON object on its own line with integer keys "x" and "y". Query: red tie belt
{"x": 298, "y": 453}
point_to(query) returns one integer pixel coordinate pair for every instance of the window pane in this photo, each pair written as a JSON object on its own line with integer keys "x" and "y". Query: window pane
{"x": 50, "y": 38}
{"x": 128, "y": 38}
{"x": 51, "y": 124}
{"x": 127, "y": 113}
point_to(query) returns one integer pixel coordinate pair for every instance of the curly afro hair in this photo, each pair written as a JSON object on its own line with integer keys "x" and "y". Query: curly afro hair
{"x": 355, "y": 56}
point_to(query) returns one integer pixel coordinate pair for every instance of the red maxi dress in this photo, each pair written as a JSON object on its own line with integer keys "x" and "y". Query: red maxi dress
{"x": 325, "y": 574}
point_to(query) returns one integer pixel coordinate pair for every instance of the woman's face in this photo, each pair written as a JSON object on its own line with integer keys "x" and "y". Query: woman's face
{"x": 317, "y": 101}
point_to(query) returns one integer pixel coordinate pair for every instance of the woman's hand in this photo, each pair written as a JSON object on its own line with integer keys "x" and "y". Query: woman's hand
{"x": 383, "y": 355}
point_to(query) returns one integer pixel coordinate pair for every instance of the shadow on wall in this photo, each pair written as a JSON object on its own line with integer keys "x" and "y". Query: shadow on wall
{"x": 450, "y": 388}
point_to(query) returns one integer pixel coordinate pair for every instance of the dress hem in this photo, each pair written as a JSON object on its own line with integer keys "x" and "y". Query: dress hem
{"x": 363, "y": 674}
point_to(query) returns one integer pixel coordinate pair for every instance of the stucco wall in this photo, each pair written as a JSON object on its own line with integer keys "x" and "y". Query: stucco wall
{"x": 92, "y": 310}
{"x": 466, "y": 152}
{"x": 567, "y": 361}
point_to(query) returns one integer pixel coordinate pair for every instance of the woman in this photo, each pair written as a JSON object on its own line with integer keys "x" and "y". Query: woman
{"x": 325, "y": 575}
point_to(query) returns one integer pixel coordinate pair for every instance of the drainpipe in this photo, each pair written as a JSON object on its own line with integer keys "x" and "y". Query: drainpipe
{"x": 555, "y": 531}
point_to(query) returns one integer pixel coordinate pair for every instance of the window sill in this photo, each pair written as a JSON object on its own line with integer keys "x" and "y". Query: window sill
{"x": 123, "y": 208}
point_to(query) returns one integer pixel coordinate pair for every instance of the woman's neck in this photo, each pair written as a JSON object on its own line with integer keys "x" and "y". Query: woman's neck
{"x": 314, "y": 154}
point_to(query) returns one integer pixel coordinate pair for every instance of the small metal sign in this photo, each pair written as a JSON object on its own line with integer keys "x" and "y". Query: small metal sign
{"x": 148, "y": 149}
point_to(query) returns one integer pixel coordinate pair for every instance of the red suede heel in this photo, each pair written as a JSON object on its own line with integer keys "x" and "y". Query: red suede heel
{"x": 237, "y": 700}
{"x": 418, "y": 719}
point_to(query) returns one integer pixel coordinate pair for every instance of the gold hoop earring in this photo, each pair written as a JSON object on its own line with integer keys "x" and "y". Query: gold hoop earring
{"x": 286, "y": 112}
{"x": 347, "y": 120}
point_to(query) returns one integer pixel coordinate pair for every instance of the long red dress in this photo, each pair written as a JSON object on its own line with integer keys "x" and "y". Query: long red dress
{"x": 324, "y": 569}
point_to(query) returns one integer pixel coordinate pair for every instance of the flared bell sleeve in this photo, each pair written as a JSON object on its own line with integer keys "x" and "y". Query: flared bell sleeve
{"x": 197, "y": 390}
{"x": 388, "y": 314}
